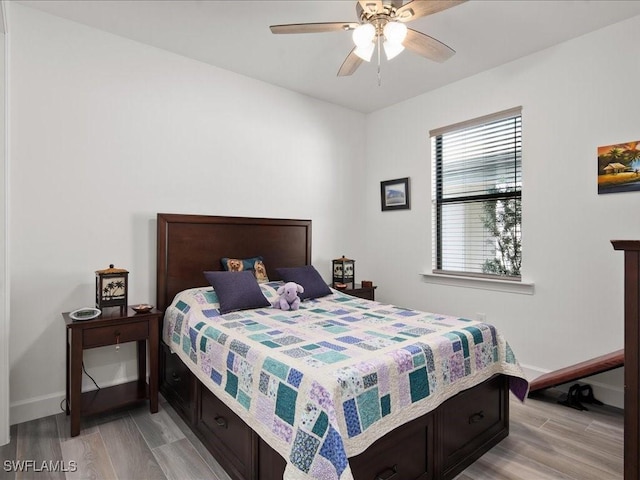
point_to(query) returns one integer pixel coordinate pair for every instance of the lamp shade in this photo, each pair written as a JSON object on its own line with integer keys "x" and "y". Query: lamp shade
{"x": 343, "y": 271}
{"x": 364, "y": 35}
{"x": 111, "y": 287}
{"x": 395, "y": 32}
{"x": 365, "y": 52}
{"x": 392, "y": 50}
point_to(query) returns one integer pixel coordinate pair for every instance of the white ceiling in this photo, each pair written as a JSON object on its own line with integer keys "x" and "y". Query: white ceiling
{"x": 235, "y": 35}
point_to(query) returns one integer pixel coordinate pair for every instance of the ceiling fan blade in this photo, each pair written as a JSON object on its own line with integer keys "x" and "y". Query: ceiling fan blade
{"x": 313, "y": 27}
{"x": 427, "y": 46}
{"x": 350, "y": 64}
{"x": 421, "y": 8}
{"x": 371, "y": 6}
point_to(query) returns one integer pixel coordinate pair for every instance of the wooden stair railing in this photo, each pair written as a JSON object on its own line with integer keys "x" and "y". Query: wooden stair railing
{"x": 631, "y": 250}
{"x": 600, "y": 364}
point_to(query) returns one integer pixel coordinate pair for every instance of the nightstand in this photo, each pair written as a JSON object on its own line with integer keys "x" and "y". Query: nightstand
{"x": 113, "y": 327}
{"x": 368, "y": 293}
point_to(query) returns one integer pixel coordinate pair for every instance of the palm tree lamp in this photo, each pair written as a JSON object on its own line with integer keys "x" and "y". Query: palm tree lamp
{"x": 112, "y": 287}
{"x": 344, "y": 272}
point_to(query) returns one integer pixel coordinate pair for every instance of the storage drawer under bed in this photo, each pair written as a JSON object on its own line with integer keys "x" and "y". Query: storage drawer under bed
{"x": 471, "y": 420}
{"x": 177, "y": 383}
{"x": 228, "y": 433}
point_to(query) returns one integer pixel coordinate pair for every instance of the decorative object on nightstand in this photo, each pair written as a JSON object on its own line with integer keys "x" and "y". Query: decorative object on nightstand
{"x": 111, "y": 288}
{"x": 87, "y": 313}
{"x": 344, "y": 272}
{"x": 142, "y": 308}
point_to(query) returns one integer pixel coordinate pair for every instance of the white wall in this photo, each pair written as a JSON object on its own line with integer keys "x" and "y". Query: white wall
{"x": 105, "y": 133}
{"x": 575, "y": 97}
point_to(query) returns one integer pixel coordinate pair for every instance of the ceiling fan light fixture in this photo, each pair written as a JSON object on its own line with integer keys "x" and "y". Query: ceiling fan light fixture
{"x": 365, "y": 52}
{"x": 363, "y": 35}
{"x": 380, "y": 23}
{"x": 395, "y": 32}
{"x": 392, "y": 50}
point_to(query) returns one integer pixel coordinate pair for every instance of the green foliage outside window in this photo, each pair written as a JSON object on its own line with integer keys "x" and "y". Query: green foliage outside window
{"x": 502, "y": 219}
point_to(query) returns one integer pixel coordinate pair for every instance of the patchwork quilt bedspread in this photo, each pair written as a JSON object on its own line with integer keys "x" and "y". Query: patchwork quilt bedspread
{"x": 322, "y": 383}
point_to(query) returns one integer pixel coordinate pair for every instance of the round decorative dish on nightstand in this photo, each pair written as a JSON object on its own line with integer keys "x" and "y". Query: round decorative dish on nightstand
{"x": 142, "y": 308}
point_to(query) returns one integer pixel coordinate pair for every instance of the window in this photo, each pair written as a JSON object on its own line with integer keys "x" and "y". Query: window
{"x": 477, "y": 196}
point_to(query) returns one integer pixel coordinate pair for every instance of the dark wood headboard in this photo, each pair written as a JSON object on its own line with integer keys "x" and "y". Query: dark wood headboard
{"x": 190, "y": 244}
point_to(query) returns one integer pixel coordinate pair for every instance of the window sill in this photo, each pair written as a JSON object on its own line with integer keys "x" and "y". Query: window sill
{"x": 523, "y": 288}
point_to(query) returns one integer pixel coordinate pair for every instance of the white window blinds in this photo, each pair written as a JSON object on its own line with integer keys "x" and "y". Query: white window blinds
{"x": 477, "y": 196}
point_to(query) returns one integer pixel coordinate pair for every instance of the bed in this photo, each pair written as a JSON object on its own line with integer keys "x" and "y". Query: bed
{"x": 342, "y": 388}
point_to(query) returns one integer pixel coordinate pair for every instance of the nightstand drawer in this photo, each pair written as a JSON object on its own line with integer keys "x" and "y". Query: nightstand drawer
{"x": 114, "y": 334}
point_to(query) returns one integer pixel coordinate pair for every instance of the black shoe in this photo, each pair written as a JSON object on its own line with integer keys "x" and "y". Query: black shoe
{"x": 585, "y": 394}
{"x": 573, "y": 398}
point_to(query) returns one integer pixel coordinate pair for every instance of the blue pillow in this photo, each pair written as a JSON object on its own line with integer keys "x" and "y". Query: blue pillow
{"x": 236, "y": 290}
{"x": 308, "y": 277}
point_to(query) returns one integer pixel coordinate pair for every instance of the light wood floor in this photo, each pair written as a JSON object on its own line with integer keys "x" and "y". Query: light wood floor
{"x": 546, "y": 441}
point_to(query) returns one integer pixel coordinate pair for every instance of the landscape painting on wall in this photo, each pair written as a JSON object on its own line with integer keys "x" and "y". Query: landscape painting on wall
{"x": 394, "y": 194}
{"x": 619, "y": 168}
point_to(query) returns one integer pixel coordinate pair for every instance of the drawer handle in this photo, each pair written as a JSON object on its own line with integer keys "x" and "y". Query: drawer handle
{"x": 390, "y": 472}
{"x": 221, "y": 422}
{"x": 476, "y": 417}
{"x": 175, "y": 378}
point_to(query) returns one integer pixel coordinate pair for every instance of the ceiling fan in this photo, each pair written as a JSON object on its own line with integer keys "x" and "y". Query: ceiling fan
{"x": 383, "y": 22}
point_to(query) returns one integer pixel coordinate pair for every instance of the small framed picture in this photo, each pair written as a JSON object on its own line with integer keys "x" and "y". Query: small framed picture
{"x": 394, "y": 194}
